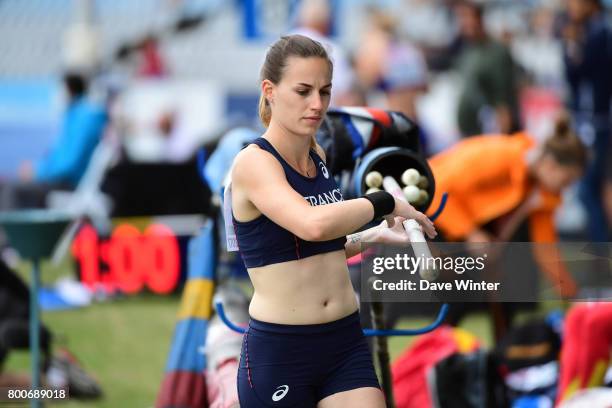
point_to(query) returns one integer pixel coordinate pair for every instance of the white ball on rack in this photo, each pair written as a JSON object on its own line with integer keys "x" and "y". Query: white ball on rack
{"x": 411, "y": 193}
{"x": 373, "y": 179}
{"x": 411, "y": 177}
{"x": 372, "y": 190}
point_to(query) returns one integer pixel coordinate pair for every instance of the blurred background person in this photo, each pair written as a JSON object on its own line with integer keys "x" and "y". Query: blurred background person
{"x": 82, "y": 127}
{"x": 314, "y": 21}
{"x": 507, "y": 189}
{"x": 537, "y": 50}
{"x": 151, "y": 61}
{"x": 488, "y": 100}
{"x": 389, "y": 64}
{"x": 587, "y": 56}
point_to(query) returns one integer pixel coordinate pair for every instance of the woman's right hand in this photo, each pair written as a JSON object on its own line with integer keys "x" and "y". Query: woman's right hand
{"x": 404, "y": 209}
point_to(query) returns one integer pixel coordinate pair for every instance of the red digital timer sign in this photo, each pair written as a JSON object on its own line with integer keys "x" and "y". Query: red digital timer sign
{"x": 129, "y": 260}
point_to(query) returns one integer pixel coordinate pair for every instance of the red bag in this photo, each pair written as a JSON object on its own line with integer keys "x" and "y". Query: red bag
{"x": 410, "y": 370}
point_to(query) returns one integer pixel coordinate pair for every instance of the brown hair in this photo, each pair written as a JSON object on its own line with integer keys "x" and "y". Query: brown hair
{"x": 565, "y": 146}
{"x": 276, "y": 61}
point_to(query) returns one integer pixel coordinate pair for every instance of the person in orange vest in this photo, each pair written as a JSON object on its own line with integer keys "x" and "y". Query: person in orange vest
{"x": 497, "y": 184}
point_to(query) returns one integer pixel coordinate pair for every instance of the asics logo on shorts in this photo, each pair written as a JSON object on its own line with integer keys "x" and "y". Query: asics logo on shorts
{"x": 280, "y": 394}
{"x": 324, "y": 170}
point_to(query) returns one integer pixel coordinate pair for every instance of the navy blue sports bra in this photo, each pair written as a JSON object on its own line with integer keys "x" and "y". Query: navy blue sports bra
{"x": 262, "y": 242}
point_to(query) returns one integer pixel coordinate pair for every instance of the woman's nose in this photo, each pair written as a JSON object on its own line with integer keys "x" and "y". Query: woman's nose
{"x": 316, "y": 102}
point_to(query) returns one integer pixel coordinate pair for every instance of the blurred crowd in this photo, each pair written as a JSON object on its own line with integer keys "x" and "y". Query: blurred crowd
{"x": 458, "y": 68}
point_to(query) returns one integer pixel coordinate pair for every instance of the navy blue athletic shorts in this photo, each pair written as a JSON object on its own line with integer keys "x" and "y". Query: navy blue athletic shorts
{"x": 299, "y": 365}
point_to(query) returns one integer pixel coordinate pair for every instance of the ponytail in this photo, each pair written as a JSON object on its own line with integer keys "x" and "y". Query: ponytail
{"x": 313, "y": 142}
{"x": 564, "y": 145}
{"x": 265, "y": 113}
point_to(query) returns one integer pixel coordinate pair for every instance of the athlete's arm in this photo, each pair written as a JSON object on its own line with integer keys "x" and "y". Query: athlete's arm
{"x": 395, "y": 234}
{"x": 353, "y": 241}
{"x": 382, "y": 234}
{"x": 352, "y": 246}
{"x": 259, "y": 178}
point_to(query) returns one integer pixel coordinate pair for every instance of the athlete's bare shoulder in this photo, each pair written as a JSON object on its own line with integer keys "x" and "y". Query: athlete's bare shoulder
{"x": 253, "y": 162}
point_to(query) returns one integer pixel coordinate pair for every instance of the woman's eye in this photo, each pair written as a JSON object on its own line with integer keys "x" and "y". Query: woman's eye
{"x": 302, "y": 92}
{"x": 325, "y": 92}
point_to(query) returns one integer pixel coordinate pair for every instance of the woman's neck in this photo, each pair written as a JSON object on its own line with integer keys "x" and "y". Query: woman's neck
{"x": 293, "y": 147}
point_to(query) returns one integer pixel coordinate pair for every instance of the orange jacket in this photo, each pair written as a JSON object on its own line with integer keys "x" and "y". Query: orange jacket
{"x": 486, "y": 177}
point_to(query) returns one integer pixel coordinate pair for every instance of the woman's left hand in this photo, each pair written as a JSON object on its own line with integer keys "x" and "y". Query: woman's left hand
{"x": 392, "y": 235}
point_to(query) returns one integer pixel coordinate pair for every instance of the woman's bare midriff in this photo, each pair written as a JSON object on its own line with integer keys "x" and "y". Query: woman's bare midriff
{"x": 312, "y": 290}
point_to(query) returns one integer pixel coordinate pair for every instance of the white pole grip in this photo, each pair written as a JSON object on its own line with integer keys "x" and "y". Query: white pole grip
{"x": 391, "y": 186}
{"x": 414, "y": 231}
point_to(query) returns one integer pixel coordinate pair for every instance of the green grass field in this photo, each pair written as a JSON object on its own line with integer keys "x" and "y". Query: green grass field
{"x": 124, "y": 343}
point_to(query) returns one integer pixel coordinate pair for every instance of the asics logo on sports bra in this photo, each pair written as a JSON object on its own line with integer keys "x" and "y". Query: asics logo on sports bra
{"x": 280, "y": 393}
{"x": 324, "y": 170}
{"x": 332, "y": 196}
